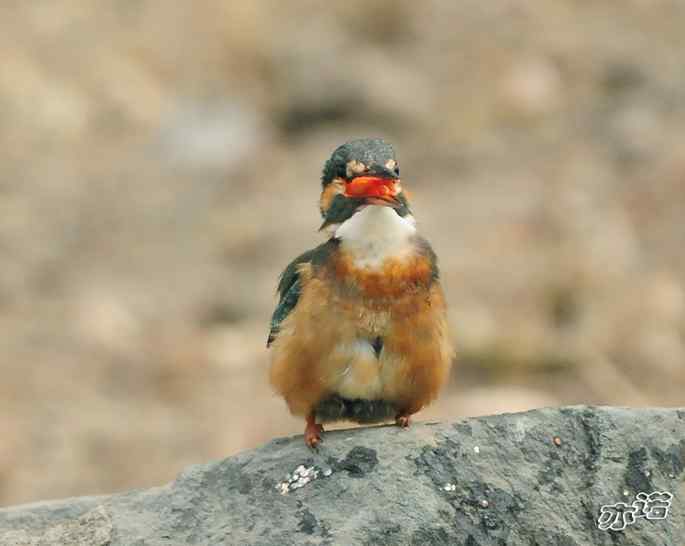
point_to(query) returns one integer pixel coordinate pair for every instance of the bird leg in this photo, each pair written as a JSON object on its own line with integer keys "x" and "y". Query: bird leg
{"x": 312, "y": 432}
{"x": 402, "y": 419}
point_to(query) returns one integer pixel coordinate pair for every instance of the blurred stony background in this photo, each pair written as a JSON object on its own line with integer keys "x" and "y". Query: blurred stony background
{"x": 160, "y": 164}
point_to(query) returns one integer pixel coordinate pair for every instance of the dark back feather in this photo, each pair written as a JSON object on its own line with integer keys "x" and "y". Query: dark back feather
{"x": 290, "y": 286}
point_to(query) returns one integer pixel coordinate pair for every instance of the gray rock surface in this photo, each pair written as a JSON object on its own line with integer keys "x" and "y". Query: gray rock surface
{"x": 534, "y": 478}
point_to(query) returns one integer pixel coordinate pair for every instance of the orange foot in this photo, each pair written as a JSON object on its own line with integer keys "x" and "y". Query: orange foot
{"x": 312, "y": 432}
{"x": 402, "y": 421}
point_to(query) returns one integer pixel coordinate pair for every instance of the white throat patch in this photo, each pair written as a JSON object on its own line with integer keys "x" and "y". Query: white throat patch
{"x": 376, "y": 233}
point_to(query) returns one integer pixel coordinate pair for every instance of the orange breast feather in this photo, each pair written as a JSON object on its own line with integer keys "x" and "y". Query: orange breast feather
{"x": 317, "y": 351}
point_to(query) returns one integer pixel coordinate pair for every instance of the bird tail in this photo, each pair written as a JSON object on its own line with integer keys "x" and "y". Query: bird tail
{"x": 337, "y": 408}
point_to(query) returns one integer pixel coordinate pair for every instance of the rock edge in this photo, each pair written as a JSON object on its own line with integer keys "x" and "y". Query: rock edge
{"x": 538, "y": 477}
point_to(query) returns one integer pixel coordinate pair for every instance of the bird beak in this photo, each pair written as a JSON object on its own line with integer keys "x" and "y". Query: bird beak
{"x": 378, "y": 189}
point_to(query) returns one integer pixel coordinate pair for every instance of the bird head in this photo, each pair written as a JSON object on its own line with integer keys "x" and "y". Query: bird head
{"x": 361, "y": 173}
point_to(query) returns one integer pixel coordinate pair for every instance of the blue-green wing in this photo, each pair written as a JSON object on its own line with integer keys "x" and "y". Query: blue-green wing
{"x": 286, "y": 304}
{"x": 290, "y": 285}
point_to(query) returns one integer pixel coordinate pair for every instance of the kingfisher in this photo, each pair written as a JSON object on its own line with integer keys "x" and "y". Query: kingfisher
{"x": 360, "y": 330}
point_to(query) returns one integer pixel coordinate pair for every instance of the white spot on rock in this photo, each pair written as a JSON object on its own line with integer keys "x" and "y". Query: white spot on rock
{"x": 299, "y": 478}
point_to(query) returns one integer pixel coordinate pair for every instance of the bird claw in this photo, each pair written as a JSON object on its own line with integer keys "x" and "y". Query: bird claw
{"x": 402, "y": 421}
{"x": 312, "y": 434}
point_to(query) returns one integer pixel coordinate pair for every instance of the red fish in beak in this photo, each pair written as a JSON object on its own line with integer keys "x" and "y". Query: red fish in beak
{"x": 375, "y": 190}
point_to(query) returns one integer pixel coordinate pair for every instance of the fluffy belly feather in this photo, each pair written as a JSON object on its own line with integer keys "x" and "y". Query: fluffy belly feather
{"x": 325, "y": 351}
{"x": 360, "y": 373}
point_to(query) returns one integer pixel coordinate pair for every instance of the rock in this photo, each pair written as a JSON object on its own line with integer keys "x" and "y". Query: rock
{"x": 539, "y": 477}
